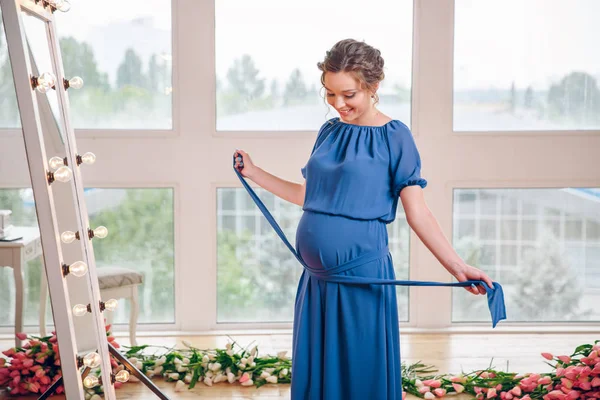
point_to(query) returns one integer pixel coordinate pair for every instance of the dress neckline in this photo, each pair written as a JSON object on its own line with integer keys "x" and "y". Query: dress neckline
{"x": 339, "y": 120}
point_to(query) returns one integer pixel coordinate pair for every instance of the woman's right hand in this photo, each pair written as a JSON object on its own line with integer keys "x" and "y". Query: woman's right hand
{"x": 244, "y": 164}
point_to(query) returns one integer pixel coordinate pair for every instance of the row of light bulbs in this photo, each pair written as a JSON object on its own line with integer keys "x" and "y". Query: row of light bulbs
{"x": 60, "y": 5}
{"x": 47, "y": 81}
{"x": 62, "y": 173}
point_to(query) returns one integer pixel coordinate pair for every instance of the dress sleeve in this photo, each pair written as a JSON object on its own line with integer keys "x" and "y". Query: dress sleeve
{"x": 405, "y": 161}
{"x": 320, "y": 137}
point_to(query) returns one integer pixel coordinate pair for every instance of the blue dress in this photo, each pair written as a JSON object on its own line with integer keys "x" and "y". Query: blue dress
{"x": 346, "y": 337}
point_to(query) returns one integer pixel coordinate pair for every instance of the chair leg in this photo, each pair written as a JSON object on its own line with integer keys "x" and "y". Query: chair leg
{"x": 133, "y": 316}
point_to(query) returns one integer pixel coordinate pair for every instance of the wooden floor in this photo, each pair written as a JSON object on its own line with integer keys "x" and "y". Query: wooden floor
{"x": 451, "y": 353}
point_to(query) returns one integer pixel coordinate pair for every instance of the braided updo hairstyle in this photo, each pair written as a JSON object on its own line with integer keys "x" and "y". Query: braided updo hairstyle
{"x": 357, "y": 58}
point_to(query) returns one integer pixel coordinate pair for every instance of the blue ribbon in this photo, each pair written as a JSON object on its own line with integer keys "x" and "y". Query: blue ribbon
{"x": 495, "y": 294}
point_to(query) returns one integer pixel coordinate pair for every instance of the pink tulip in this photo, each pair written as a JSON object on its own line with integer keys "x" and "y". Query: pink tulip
{"x": 547, "y": 356}
{"x": 21, "y": 336}
{"x": 477, "y": 389}
{"x": 9, "y": 352}
{"x": 498, "y": 387}
{"x": 516, "y": 391}
{"x": 508, "y": 396}
{"x": 422, "y": 389}
{"x": 560, "y": 371}
{"x": 526, "y": 397}
{"x": 28, "y": 363}
{"x": 479, "y": 396}
{"x": 403, "y": 395}
{"x": 567, "y": 382}
{"x": 2, "y": 362}
{"x": 458, "y": 388}
{"x": 118, "y": 385}
{"x": 491, "y": 393}
{"x": 244, "y": 377}
{"x": 595, "y": 382}
{"x": 45, "y": 380}
{"x": 556, "y": 394}
{"x": 434, "y": 383}
{"x": 439, "y": 392}
{"x": 565, "y": 359}
{"x": 596, "y": 369}
{"x": 585, "y": 385}
{"x": 544, "y": 381}
{"x": 572, "y": 395}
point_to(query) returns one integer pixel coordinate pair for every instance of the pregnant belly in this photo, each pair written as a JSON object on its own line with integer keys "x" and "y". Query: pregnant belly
{"x": 325, "y": 241}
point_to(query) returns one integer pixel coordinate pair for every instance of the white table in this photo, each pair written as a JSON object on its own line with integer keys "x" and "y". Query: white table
{"x": 15, "y": 255}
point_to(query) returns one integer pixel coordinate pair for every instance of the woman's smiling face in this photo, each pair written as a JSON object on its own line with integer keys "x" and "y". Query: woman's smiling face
{"x": 346, "y": 94}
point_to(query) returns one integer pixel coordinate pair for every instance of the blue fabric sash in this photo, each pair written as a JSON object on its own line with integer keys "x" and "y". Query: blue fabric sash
{"x": 495, "y": 295}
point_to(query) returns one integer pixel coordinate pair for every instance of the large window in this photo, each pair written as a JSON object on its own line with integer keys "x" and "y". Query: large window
{"x": 9, "y": 112}
{"x": 257, "y": 276}
{"x": 122, "y": 50}
{"x": 140, "y": 224}
{"x": 526, "y": 65}
{"x": 541, "y": 245}
{"x": 267, "y": 51}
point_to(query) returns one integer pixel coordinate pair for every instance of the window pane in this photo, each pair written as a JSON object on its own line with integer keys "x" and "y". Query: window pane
{"x": 124, "y": 59}
{"x": 9, "y": 110}
{"x": 257, "y": 276}
{"x": 267, "y": 51}
{"x": 20, "y": 202}
{"x": 141, "y": 237}
{"x": 548, "y": 268}
{"x": 538, "y": 73}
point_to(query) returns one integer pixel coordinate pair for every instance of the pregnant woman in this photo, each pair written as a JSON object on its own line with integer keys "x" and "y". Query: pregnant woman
{"x": 346, "y": 336}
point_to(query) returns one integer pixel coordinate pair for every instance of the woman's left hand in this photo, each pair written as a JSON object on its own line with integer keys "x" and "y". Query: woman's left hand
{"x": 469, "y": 273}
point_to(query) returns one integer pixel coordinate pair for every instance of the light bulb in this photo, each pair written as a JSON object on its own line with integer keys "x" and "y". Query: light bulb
{"x": 63, "y": 174}
{"x": 76, "y": 82}
{"x": 67, "y": 237}
{"x": 92, "y": 360}
{"x": 63, "y": 5}
{"x": 100, "y": 232}
{"x": 78, "y": 268}
{"x": 111, "y": 305}
{"x": 122, "y": 376}
{"x": 80, "y": 310}
{"x": 90, "y": 381}
{"x": 56, "y": 162}
{"x": 45, "y": 82}
{"x": 88, "y": 158}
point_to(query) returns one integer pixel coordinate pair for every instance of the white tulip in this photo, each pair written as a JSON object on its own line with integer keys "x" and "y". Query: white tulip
{"x": 209, "y": 374}
{"x": 272, "y": 379}
{"x": 418, "y": 383}
{"x": 186, "y": 360}
{"x": 133, "y": 360}
{"x": 228, "y": 346}
{"x": 283, "y": 372}
{"x": 244, "y": 360}
{"x": 270, "y": 370}
{"x": 181, "y": 368}
{"x": 188, "y": 378}
{"x": 249, "y": 382}
{"x": 254, "y": 350}
{"x": 208, "y": 381}
{"x": 205, "y": 359}
{"x": 230, "y": 377}
{"x": 265, "y": 375}
{"x": 150, "y": 374}
{"x": 429, "y": 396}
{"x": 177, "y": 361}
{"x": 253, "y": 365}
{"x": 139, "y": 365}
{"x": 180, "y": 386}
{"x": 212, "y": 357}
{"x": 281, "y": 354}
{"x": 174, "y": 376}
{"x": 220, "y": 378}
{"x": 228, "y": 370}
{"x": 242, "y": 366}
{"x": 250, "y": 360}
{"x": 161, "y": 361}
{"x": 229, "y": 353}
{"x": 186, "y": 343}
{"x": 158, "y": 370}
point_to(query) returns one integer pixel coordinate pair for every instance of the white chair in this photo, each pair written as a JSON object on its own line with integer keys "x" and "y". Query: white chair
{"x": 115, "y": 283}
